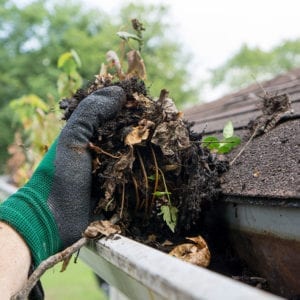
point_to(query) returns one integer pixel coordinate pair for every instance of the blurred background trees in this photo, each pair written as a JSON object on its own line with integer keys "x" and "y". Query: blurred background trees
{"x": 34, "y": 33}
{"x": 252, "y": 62}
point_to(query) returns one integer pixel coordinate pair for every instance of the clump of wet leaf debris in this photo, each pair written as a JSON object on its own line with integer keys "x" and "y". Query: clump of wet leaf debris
{"x": 148, "y": 164}
{"x": 273, "y": 108}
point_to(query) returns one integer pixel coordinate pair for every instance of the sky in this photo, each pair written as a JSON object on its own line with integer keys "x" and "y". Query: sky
{"x": 214, "y": 30}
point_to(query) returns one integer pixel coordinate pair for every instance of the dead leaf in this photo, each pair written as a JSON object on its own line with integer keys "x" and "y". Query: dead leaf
{"x": 103, "y": 71}
{"x": 143, "y": 100}
{"x": 112, "y": 57}
{"x": 168, "y": 107}
{"x": 171, "y": 137}
{"x": 167, "y": 243}
{"x": 151, "y": 238}
{"x": 115, "y": 176}
{"x": 139, "y": 133}
{"x": 136, "y": 66}
{"x": 196, "y": 253}
{"x": 103, "y": 227}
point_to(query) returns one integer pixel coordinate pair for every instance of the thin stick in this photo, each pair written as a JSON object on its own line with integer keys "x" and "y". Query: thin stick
{"x": 145, "y": 177}
{"x": 156, "y": 175}
{"x": 245, "y": 146}
{"x": 259, "y": 84}
{"x": 99, "y": 150}
{"x": 45, "y": 265}
{"x": 137, "y": 196}
{"x": 165, "y": 186}
{"x": 123, "y": 200}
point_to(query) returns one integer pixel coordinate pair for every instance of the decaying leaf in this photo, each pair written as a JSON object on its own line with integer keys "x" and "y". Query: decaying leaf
{"x": 133, "y": 178}
{"x": 171, "y": 136}
{"x": 196, "y": 253}
{"x": 167, "y": 243}
{"x": 112, "y": 57}
{"x": 136, "y": 66}
{"x": 169, "y": 109}
{"x": 139, "y": 133}
{"x": 114, "y": 176}
{"x": 103, "y": 227}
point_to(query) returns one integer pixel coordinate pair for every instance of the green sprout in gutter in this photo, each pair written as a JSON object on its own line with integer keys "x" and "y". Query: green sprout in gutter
{"x": 168, "y": 211}
{"x": 225, "y": 145}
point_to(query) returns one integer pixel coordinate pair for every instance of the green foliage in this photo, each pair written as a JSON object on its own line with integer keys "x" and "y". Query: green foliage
{"x": 127, "y": 36}
{"x": 32, "y": 37}
{"x": 6, "y": 136}
{"x": 40, "y": 125}
{"x": 228, "y": 142}
{"x": 160, "y": 194}
{"x": 169, "y": 215}
{"x": 169, "y": 212}
{"x": 239, "y": 70}
{"x": 70, "y": 80}
{"x": 34, "y": 34}
{"x": 25, "y": 108}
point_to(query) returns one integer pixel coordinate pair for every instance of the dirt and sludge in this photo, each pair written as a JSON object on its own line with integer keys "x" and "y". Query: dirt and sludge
{"x": 150, "y": 169}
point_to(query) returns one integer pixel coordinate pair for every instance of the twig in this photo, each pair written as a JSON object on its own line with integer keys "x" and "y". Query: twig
{"x": 245, "y": 146}
{"x": 123, "y": 200}
{"x": 137, "y": 196}
{"x": 165, "y": 186}
{"x": 156, "y": 175}
{"x": 45, "y": 265}
{"x": 145, "y": 177}
{"x": 64, "y": 255}
{"x": 98, "y": 150}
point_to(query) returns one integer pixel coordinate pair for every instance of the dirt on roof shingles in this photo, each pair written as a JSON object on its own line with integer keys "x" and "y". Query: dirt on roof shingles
{"x": 270, "y": 164}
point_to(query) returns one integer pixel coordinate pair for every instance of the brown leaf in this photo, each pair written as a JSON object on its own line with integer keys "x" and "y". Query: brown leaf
{"x": 151, "y": 238}
{"x": 115, "y": 176}
{"x": 171, "y": 137}
{"x": 98, "y": 228}
{"x": 167, "y": 243}
{"x": 168, "y": 107}
{"x": 196, "y": 253}
{"x": 112, "y": 57}
{"x": 139, "y": 133}
{"x": 136, "y": 66}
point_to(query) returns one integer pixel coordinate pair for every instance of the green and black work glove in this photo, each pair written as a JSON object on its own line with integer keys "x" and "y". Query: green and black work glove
{"x": 52, "y": 210}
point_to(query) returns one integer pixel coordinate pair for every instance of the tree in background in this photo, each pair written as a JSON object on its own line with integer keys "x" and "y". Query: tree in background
{"x": 33, "y": 36}
{"x": 249, "y": 63}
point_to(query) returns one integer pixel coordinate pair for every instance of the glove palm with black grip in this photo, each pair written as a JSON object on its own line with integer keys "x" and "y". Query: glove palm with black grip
{"x": 54, "y": 207}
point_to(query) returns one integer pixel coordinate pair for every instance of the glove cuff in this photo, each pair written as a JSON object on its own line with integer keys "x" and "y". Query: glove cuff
{"x": 28, "y": 213}
{"x": 34, "y": 223}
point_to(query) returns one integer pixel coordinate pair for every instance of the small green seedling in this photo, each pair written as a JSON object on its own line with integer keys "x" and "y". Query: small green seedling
{"x": 225, "y": 145}
{"x": 168, "y": 211}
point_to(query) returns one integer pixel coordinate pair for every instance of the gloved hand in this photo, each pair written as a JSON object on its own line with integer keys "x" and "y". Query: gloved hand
{"x": 54, "y": 207}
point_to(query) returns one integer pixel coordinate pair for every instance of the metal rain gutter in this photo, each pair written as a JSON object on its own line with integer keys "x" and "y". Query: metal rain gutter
{"x": 141, "y": 272}
{"x": 265, "y": 233}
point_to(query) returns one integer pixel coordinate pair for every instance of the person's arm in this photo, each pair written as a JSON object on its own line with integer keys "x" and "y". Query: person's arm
{"x": 15, "y": 260}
